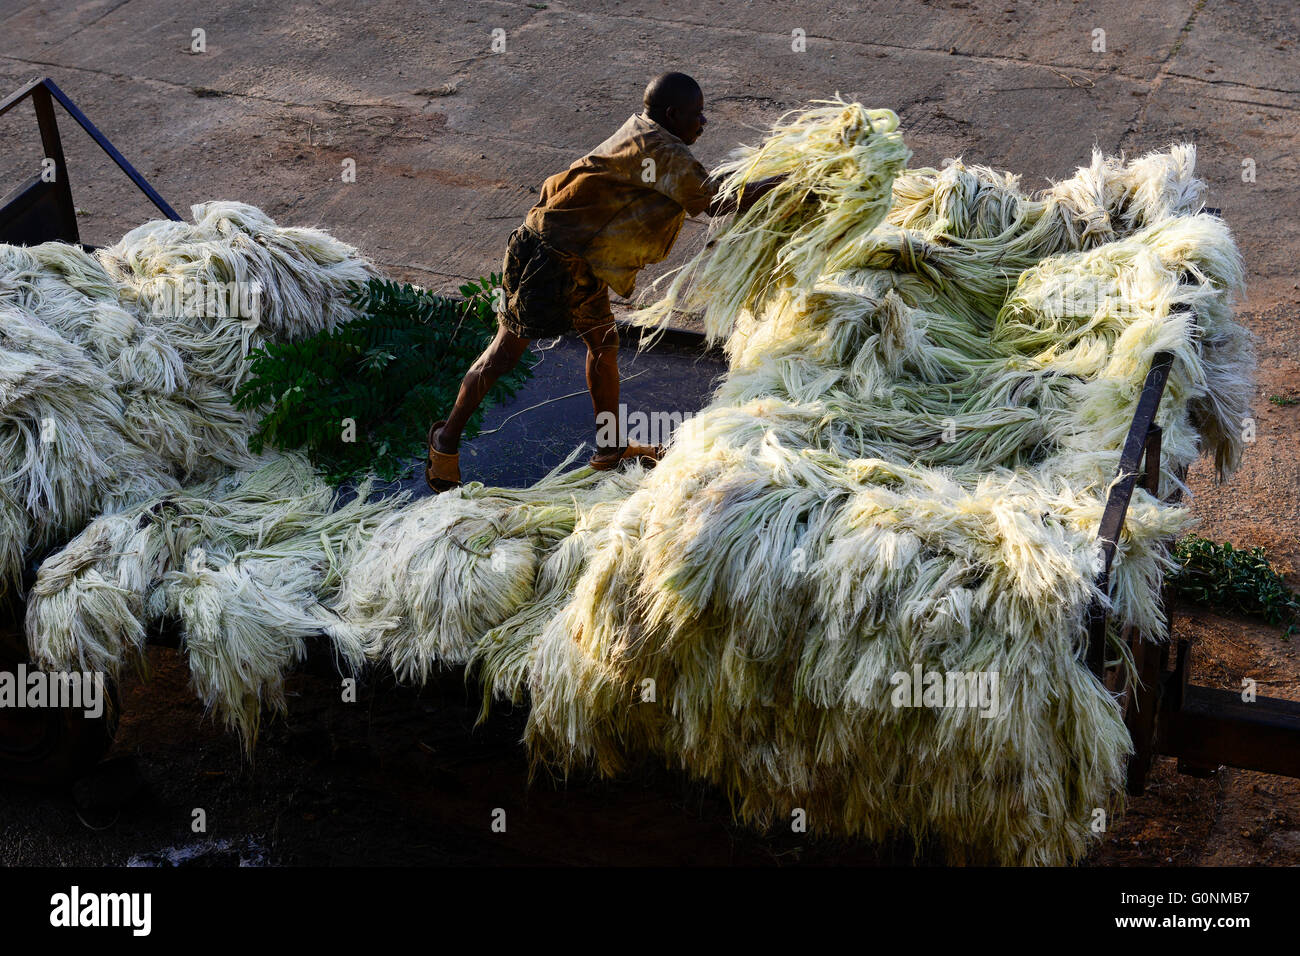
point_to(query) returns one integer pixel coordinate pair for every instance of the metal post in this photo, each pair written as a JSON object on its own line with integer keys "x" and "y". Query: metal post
{"x": 52, "y": 148}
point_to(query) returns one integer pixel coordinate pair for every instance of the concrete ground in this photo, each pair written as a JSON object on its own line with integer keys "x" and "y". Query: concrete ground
{"x": 452, "y": 140}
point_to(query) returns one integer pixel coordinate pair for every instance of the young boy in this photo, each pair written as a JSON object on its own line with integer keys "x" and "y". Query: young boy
{"x": 598, "y": 223}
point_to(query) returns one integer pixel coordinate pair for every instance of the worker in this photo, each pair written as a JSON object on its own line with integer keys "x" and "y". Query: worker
{"x": 611, "y": 213}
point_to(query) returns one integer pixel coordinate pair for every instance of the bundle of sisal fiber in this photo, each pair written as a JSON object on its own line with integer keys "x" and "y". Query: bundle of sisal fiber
{"x": 436, "y": 577}
{"x": 245, "y": 565}
{"x": 903, "y": 474}
{"x": 117, "y": 369}
{"x": 835, "y": 161}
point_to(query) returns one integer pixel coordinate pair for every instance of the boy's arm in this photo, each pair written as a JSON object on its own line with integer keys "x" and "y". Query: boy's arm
{"x": 740, "y": 203}
{"x": 681, "y": 177}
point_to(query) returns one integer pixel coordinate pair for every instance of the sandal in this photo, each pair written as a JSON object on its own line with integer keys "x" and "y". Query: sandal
{"x": 443, "y": 470}
{"x": 647, "y": 455}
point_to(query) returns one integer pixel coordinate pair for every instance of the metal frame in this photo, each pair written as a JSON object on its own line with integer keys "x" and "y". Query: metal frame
{"x": 50, "y": 744}
{"x": 1202, "y": 727}
{"x": 41, "y": 209}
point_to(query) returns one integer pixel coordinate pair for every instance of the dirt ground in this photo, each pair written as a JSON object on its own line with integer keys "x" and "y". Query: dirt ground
{"x": 450, "y": 142}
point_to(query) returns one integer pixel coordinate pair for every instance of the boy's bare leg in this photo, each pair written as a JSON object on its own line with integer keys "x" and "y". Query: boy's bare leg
{"x": 603, "y": 383}
{"x": 502, "y": 355}
{"x": 602, "y": 380}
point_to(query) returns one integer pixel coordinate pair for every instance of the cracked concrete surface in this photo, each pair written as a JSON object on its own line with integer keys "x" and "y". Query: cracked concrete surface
{"x": 286, "y": 91}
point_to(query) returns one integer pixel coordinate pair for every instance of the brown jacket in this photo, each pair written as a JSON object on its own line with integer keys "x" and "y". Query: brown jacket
{"x": 621, "y": 206}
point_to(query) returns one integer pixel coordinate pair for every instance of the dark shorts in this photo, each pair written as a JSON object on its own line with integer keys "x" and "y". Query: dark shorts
{"x": 549, "y": 292}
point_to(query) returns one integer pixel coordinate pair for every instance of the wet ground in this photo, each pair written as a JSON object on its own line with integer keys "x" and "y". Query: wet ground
{"x": 522, "y": 440}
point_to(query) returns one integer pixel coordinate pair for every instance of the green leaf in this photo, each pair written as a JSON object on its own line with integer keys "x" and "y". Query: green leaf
{"x": 392, "y": 369}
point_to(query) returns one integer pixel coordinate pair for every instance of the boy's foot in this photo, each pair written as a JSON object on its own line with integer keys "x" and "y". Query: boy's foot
{"x": 647, "y": 455}
{"x": 439, "y": 443}
{"x": 443, "y": 470}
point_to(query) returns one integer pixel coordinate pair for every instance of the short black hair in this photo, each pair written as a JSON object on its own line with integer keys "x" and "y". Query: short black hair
{"x": 670, "y": 89}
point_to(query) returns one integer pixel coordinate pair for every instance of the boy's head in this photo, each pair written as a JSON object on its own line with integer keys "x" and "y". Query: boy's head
{"x": 676, "y": 102}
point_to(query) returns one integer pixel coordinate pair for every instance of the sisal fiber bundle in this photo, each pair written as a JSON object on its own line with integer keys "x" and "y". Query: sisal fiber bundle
{"x": 837, "y": 160}
{"x": 117, "y": 369}
{"x": 245, "y": 565}
{"x": 437, "y": 576}
{"x": 904, "y": 471}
